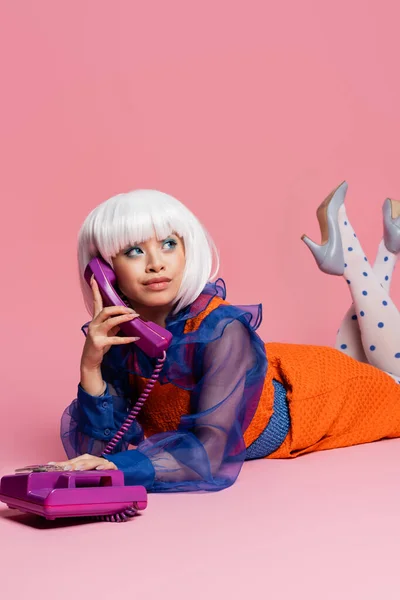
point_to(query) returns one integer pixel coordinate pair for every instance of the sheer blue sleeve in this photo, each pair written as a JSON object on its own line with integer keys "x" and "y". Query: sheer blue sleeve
{"x": 90, "y": 422}
{"x": 207, "y": 451}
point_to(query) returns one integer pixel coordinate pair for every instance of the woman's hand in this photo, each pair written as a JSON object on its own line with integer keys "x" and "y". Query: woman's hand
{"x": 85, "y": 462}
{"x": 103, "y": 329}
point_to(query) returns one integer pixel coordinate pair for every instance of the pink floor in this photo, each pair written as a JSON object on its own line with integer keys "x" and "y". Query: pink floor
{"x": 323, "y": 526}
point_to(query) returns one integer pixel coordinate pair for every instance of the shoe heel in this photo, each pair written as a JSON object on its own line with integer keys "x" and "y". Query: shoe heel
{"x": 329, "y": 255}
{"x": 331, "y": 267}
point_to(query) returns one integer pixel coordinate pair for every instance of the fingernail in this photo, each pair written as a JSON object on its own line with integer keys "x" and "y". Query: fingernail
{"x": 66, "y": 468}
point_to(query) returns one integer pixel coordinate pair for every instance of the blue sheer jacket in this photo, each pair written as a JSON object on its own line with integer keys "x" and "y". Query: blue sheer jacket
{"x": 222, "y": 365}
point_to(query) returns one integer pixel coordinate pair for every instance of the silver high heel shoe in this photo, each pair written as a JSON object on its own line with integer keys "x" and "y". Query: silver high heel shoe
{"x": 391, "y": 225}
{"x": 329, "y": 255}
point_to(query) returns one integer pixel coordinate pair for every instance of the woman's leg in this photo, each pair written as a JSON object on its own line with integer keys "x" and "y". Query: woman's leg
{"x": 377, "y": 316}
{"x": 340, "y": 253}
{"x": 348, "y": 338}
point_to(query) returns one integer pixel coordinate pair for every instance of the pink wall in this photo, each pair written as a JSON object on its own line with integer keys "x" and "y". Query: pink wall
{"x": 248, "y": 112}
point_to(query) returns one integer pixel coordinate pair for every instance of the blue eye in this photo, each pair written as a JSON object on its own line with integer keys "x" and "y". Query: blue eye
{"x": 131, "y": 251}
{"x": 172, "y": 243}
{"x": 169, "y": 244}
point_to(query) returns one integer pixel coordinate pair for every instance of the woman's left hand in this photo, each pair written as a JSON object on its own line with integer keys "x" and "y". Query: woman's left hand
{"x": 85, "y": 462}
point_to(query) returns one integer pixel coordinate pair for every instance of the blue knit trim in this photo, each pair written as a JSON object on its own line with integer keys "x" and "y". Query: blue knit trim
{"x": 277, "y": 429}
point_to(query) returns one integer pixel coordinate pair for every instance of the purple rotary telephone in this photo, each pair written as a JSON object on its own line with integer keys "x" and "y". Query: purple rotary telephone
{"x": 51, "y": 492}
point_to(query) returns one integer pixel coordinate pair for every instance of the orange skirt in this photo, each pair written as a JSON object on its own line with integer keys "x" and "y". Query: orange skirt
{"x": 334, "y": 400}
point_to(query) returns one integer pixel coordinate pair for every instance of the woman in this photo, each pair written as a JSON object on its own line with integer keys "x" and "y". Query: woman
{"x": 224, "y": 396}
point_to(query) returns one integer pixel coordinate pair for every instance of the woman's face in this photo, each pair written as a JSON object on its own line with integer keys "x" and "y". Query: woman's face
{"x": 150, "y": 273}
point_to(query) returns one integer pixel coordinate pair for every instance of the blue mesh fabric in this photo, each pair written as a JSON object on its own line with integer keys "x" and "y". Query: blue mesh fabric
{"x": 277, "y": 429}
{"x": 223, "y": 364}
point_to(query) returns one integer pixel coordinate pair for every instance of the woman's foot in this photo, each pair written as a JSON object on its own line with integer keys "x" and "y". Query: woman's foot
{"x": 391, "y": 225}
{"x": 329, "y": 254}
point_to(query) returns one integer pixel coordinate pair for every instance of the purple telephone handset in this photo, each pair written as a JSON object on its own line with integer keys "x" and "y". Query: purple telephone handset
{"x": 43, "y": 490}
{"x": 154, "y": 340}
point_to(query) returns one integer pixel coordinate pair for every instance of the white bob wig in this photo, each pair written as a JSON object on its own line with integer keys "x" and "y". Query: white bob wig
{"x": 133, "y": 218}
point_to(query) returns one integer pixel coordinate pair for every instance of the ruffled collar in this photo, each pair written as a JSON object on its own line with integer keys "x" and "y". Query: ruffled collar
{"x": 216, "y": 289}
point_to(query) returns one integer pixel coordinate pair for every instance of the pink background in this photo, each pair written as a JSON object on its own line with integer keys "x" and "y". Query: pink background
{"x": 250, "y": 113}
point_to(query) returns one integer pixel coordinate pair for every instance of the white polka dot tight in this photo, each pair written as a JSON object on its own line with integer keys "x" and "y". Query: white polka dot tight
{"x": 370, "y": 330}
